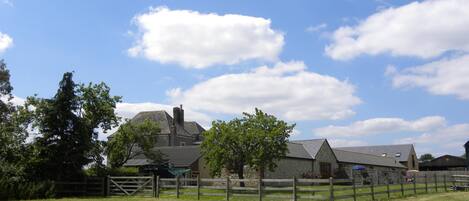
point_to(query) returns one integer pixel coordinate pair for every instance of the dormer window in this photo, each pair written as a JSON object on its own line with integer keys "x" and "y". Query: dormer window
{"x": 384, "y": 155}
{"x": 398, "y": 154}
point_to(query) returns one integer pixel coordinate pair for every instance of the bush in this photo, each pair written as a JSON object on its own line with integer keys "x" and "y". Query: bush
{"x": 21, "y": 190}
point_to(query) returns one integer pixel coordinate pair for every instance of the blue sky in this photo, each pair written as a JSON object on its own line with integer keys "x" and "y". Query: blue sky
{"x": 356, "y": 72}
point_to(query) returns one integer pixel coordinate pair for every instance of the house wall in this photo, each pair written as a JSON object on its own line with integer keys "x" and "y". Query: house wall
{"x": 325, "y": 155}
{"x": 412, "y": 163}
{"x": 376, "y": 174}
{"x": 289, "y": 168}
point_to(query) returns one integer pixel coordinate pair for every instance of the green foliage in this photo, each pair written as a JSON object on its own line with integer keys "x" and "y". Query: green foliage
{"x": 14, "y": 121}
{"x": 258, "y": 140}
{"x": 133, "y": 139}
{"x": 68, "y": 124}
{"x": 120, "y": 171}
{"x": 268, "y": 140}
{"x": 20, "y": 190}
{"x": 426, "y": 157}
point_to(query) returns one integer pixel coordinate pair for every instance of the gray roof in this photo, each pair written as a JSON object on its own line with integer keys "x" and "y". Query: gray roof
{"x": 311, "y": 146}
{"x": 165, "y": 122}
{"x": 296, "y": 150}
{"x": 379, "y": 150}
{"x": 179, "y": 156}
{"x": 365, "y": 159}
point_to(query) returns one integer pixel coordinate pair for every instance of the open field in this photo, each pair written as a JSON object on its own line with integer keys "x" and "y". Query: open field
{"x": 451, "y": 196}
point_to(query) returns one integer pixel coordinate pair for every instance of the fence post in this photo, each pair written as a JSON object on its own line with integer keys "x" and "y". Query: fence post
{"x": 198, "y": 187}
{"x": 108, "y": 186}
{"x": 454, "y": 183}
{"x": 354, "y": 189}
{"x": 158, "y": 186}
{"x": 436, "y": 183}
{"x": 402, "y": 186}
{"x": 153, "y": 185}
{"x": 426, "y": 184}
{"x": 444, "y": 183}
{"x": 227, "y": 188}
{"x": 415, "y": 184}
{"x": 259, "y": 185}
{"x": 331, "y": 188}
{"x": 294, "y": 188}
{"x": 372, "y": 188}
{"x": 387, "y": 189}
{"x": 177, "y": 186}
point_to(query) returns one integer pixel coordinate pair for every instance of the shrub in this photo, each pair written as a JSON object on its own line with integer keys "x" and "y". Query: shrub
{"x": 18, "y": 190}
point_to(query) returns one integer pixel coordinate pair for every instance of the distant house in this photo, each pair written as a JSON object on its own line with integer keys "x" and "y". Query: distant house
{"x": 373, "y": 168}
{"x": 446, "y": 162}
{"x": 174, "y": 130}
{"x": 404, "y": 153}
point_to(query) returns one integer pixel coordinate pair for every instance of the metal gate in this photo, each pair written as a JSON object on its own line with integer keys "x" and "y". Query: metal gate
{"x": 138, "y": 185}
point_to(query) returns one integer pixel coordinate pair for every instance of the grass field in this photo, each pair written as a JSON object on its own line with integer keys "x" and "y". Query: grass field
{"x": 452, "y": 196}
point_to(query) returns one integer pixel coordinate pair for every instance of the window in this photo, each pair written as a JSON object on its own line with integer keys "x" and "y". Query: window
{"x": 182, "y": 144}
{"x": 384, "y": 155}
{"x": 398, "y": 154}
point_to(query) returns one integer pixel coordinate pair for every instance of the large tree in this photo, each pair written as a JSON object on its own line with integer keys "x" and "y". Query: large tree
{"x": 226, "y": 146}
{"x": 13, "y": 129}
{"x": 133, "y": 139}
{"x": 268, "y": 138}
{"x": 257, "y": 140}
{"x": 68, "y": 124}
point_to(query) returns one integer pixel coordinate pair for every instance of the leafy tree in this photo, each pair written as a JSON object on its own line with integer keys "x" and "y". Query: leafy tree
{"x": 226, "y": 146}
{"x": 426, "y": 157}
{"x": 13, "y": 130}
{"x": 258, "y": 140}
{"x": 133, "y": 139}
{"x": 268, "y": 138}
{"x": 68, "y": 124}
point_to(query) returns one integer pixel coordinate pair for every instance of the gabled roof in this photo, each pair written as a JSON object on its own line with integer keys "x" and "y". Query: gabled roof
{"x": 179, "y": 156}
{"x": 379, "y": 150}
{"x": 365, "y": 159}
{"x": 193, "y": 127}
{"x": 296, "y": 150}
{"x": 311, "y": 146}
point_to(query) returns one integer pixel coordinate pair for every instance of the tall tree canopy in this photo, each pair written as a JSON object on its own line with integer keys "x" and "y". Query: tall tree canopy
{"x": 426, "y": 157}
{"x": 133, "y": 139}
{"x": 13, "y": 129}
{"x": 68, "y": 124}
{"x": 258, "y": 140}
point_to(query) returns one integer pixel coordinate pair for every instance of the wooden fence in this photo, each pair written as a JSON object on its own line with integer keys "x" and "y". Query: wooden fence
{"x": 89, "y": 186}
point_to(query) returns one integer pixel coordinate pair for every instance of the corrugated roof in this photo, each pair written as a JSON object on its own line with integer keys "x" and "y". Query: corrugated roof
{"x": 311, "y": 146}
{"x": 379, "y": 150}
{"x": 179, "y": 156}
{"x": 365, "y": 159}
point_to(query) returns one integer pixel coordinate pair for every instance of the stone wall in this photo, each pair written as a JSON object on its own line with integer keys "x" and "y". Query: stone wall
{"x": 375, "y": 174}
{"x": 290, "y": 167}
{"x": 325, "y": 154}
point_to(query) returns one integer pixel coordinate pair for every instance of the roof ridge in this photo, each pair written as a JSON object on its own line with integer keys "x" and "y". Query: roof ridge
{"x": 380, "y": 145}
{"x": 333, "y": 149}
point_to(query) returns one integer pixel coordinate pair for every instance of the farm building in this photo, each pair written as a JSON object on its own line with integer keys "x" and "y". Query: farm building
{"x": 368, "y": 167}
{"x": 404, "y": 153}
{"x": 446, "y": 162}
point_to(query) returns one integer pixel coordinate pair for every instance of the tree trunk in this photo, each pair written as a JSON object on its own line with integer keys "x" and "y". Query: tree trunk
{"x": 241, "y": 176}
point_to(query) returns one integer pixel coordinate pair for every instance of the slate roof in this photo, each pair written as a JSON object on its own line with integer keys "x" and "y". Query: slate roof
{"x": 365, "y": 159}
{"x": 297, "y": 150}
{"x": 390, "y": 150}
{"x": 311, "y": 146}
{"x": 179, "y": 156}
{"x": 165, "y": 122}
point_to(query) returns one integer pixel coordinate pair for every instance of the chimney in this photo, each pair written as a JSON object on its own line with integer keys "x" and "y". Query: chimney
{"x": 178, "y": 115}
{"x": 466, "y": 146}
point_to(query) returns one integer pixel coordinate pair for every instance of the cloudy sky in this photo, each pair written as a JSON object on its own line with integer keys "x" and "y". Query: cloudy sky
{"x": 357, "y": 72}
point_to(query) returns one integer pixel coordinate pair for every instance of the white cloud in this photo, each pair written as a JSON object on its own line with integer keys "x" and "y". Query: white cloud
{"x": 443, "y": 77}
{"x": 423, "y": 29}
{"x": 346, "y": 143}
{"x": 316, "y": 28}
{"x": 5, "y": 42}
{"x": 129, "y": 110}
{"x": 287, "y": 90}
{"x": 199, "y": 40}
{"x": 381, "y": 125}
{"x": 451, "y": 139}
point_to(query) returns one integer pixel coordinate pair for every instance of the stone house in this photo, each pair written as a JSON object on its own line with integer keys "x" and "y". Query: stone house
{"x": 404, "y": 153}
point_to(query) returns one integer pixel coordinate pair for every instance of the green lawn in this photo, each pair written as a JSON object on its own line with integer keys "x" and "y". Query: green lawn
{"x": 451, "y": 196}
